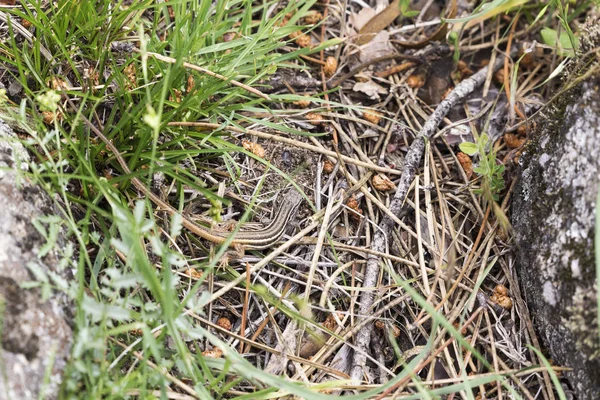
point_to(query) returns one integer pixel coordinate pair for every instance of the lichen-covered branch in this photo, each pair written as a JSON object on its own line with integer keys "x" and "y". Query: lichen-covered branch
{"x": 412, "y": 162}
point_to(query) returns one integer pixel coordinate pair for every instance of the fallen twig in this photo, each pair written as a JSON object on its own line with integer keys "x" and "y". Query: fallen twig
{"x": 412, "y": 162}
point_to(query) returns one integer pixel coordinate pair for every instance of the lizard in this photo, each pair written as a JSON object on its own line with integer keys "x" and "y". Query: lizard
{"x": 250, "y": 238}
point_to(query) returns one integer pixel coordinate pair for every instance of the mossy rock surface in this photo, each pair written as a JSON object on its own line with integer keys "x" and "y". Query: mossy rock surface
{"x": 36, "y": 334}
{"x": 553, "y": 214}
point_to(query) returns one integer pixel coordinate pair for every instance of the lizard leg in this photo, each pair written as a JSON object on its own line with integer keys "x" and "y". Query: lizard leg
{"x": 237, "y": 252}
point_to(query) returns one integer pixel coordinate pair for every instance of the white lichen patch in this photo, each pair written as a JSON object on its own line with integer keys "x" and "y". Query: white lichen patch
{"x": 575, "y": 270}
{"x": 544, "y": 158}
{"x": 13, "y": 153}
{"x": 583, "y": 321}
{"x": 544, "y": 142}
{"x": 549, "y": 292}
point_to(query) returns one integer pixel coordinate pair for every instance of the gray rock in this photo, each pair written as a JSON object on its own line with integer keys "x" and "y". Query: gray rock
{"x": 35, "y": 336}
{"x": 554, "y": 220}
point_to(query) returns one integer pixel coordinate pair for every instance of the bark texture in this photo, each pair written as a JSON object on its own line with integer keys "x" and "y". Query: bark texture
{"x": 35, "y": 335}
{"x": 554, "y": 220}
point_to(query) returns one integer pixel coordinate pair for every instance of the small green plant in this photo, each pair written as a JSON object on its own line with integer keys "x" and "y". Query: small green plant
{"x": 405, "y": 9}
{"x": 565, "y": 42}
{"x": 491, "y": 172}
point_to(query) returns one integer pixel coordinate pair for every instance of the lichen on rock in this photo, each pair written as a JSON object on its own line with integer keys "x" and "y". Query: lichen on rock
{"x": 36, "y": 334}
{"x": 553, "y": 214}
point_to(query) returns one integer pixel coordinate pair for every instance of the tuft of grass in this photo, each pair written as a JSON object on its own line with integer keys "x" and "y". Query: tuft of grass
{"x": 121, "y": 294}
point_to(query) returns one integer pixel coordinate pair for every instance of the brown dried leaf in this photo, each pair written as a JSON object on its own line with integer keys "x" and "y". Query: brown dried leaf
{"x": 466, "y": 163}
{"x": 330, "y": 322}
{"x": 190, "y": 84}
{"x": 314, "y": 118}
{"x": 464, "y": 69}
{"x": 382, "y": 183}
{"x": 513, "y": 141}
{"x": 254, "y": 148}
{"x": 341, "y": 231}
{"x": 25, "y": 22}
{"x": 378, "y": 23}
{"x": 301, "y": 39}
{"x": 499, "y": 76}
{"x": 131, "y": 74}
{"x": 57, "y": 83}
{"x": 328, "y": 167}
{"x": 415, "y": 81}
{"x": 49, "y": 117}
{"x": 372, "y": 116}
{"x": 193, "y": 273}
{"x": 313, "y": 17}
{"x": 501, "y": 290}
{"x": 353, "y": 205}
{"x": 92, "y": 75}
{"x": 302, "y": 103}
{"x": 224, "y": 323}
{"x": 330, "y": 66}
{"x": 501, "y": 297}
{"x": 523, "y": 130}
{"x": 176, "y": 96}
{"x": 382, "y": 325}
{"x": 214, "y": 353}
